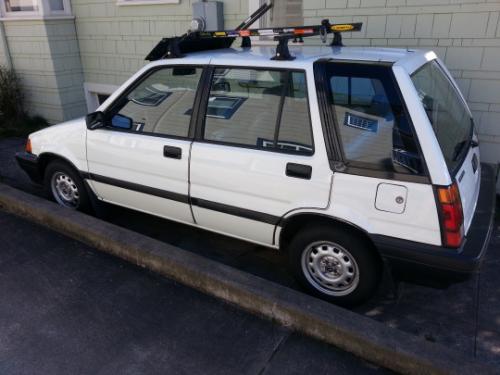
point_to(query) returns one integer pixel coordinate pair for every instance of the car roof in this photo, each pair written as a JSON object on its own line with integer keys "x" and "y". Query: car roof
{"x": 305, "y": 55}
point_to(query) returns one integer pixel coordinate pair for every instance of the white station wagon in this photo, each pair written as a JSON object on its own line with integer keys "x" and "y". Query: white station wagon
{"x": 348, "y": 159}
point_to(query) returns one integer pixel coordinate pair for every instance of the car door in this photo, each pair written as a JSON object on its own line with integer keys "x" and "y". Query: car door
{"x": 141, "y": 158}
{"x": 254, "y": 158}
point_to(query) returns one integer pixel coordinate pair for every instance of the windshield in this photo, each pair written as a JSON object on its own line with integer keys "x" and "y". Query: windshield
{"x": 447, "y": 112}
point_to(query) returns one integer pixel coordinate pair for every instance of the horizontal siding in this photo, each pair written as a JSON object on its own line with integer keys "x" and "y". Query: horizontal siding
{"x": 464, "y": 33}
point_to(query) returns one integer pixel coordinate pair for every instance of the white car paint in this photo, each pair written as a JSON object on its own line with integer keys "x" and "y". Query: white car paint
{"x": 254, "y": 179}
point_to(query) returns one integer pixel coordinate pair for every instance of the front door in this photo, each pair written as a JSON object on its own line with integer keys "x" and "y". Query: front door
{"x": 141, "y": 158}
{"x": 255, "y": 159}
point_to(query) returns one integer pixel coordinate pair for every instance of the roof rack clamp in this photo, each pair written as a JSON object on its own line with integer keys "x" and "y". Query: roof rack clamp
{"x": 173, "y": 50}
{"x": 282, "y": 51}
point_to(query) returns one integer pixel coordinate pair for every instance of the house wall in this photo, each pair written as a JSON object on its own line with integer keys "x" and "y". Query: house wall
{"x": 464, "y": 33}
{"x": 45, "y": 55}
{"x": 114, "y": 40}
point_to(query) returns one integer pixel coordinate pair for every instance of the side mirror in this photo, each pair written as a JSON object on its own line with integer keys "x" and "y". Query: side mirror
{"x": 94, "y": 120}
{"x": 122, "y": 122}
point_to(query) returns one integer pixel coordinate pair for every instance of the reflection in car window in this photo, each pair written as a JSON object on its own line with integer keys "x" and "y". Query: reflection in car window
{"x": 446, "y": 110}
{"x": 373, "y": 124}
{"x": 265, "y": 109}
{"x": 159, "y": 104}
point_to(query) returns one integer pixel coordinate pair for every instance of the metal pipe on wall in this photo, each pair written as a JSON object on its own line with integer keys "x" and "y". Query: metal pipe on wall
{"x": 5, "y": 45}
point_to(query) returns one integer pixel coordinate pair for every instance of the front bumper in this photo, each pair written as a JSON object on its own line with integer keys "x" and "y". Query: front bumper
{"x": 29, "y": 163}
{"x": 439, "y": 266}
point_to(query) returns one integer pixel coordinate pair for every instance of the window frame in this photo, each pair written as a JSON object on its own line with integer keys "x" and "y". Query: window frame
{"x": 200, "y": 126}
{"x": 338, "y": 160}
{"x": 43, "y": 12}
{"x": 193, "y": 117}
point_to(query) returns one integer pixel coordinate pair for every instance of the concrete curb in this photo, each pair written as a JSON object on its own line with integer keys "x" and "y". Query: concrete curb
{"x": 346, "y": 330}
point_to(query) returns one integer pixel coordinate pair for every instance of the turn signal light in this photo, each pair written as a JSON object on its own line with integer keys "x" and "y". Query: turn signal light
{"x": 451, "y": 215}
{"x": 27, "y": 147}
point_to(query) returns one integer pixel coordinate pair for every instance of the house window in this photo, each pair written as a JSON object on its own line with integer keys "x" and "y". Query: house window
{"x": 34, "y": 8}
{"x": 21, "y": 5}
{"x": 283, "y": 13}
{"x": 96, "y": 94}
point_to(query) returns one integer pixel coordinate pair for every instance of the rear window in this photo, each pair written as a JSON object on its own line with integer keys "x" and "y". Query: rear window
{"x": 373, "y": 124}
{"x": 447, "y": 112}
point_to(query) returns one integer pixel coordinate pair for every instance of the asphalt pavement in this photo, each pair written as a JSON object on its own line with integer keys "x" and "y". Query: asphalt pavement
{"x": 464, "y": 317}
{"x": 69, "y": 309}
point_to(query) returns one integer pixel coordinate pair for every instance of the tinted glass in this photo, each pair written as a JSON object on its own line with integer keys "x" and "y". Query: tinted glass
{"x": 259, "y": 108}
{"x": 447, "y": 112}
{"x": 161, "y": 103}
{"x": 372, "y": 121}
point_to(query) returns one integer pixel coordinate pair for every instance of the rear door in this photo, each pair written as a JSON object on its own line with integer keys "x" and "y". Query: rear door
{"x": 453, "y": 125}
{"x": 255, "y": 158}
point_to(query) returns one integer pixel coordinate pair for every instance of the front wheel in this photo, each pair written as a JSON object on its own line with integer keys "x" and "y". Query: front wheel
{"x": 335, "y": 265}
{"x": 66, "y": 187}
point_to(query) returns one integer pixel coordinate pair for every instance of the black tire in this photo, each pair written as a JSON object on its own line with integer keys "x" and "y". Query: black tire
{"x": 317, "y": 257}
{"x": 73, "y": 179}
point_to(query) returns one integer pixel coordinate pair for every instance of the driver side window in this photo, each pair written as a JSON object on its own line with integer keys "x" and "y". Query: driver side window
{"x": 160, "y": 104}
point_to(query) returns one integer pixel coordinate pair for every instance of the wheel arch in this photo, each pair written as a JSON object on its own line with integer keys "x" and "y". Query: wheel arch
{"x": 297, "y": 222}
{"x": 46, "y": 158}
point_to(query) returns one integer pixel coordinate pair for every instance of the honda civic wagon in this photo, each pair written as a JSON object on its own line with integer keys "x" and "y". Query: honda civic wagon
{"x": 350, "y": 160}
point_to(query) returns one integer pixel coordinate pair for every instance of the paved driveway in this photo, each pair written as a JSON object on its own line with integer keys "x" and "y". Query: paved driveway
{"x": 465, "y": 317}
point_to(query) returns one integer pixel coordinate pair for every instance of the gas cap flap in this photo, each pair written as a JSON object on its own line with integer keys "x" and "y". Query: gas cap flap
{"x": 391, "y": 198}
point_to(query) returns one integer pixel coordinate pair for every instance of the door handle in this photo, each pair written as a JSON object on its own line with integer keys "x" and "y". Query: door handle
{"x": 172, "y": 152}
{"x": 298, "y": 171}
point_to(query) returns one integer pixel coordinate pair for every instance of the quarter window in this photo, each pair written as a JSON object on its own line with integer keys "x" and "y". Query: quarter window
{"x": 264, "y": 109}
{"x": 161, "y": 104}
{"x": 373, "y": 124}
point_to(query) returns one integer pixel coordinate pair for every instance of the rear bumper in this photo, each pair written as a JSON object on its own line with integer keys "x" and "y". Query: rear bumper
{"x": 439, "y": 266}
{"x": 29, "y": 163}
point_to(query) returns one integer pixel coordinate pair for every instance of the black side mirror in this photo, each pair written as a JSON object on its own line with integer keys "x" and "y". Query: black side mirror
{"x": 94, "y": 120}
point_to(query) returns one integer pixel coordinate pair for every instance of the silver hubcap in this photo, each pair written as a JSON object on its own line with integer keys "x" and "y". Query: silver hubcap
{"x": 65, "y": 190}
{"x": 330, "y": 268}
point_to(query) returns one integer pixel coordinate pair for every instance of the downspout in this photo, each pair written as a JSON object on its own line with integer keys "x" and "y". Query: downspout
{"x": 5, "y": 45}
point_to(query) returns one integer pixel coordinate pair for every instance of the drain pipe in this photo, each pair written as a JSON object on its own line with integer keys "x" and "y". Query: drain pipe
{"x": 4, "y": 44}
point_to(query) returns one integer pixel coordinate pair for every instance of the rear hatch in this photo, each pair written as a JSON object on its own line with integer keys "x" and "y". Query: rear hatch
{"x": 453, "y": 125}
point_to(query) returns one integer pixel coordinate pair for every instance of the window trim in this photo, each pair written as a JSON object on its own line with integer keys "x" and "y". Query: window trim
{"x": 338, "y": 160}
{"x": 138, "y": 81}
{"x": 43, "y": 12}
{"x": 200, "y": 125}
{"x": 121, "y": 3}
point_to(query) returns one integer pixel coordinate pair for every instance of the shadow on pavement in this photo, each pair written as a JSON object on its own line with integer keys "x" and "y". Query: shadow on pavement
{"x": 465, "y": 316}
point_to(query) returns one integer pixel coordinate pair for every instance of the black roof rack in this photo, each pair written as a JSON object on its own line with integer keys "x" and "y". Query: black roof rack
{"x": 176, "y": 47}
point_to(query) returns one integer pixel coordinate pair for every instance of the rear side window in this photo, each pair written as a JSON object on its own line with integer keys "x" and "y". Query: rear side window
{"x": 372, "y": 121}
{"x": 447, "y": 112}
{"x": 264, "y": 109}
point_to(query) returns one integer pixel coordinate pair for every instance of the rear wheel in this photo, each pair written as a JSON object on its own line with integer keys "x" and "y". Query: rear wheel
{"x": 66, "y": 187}
{"x": 335, "y": 265}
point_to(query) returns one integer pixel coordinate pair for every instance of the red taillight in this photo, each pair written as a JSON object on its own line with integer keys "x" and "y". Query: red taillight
{"x": 27, "y": 147}
{"x": 452, "y": 217}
